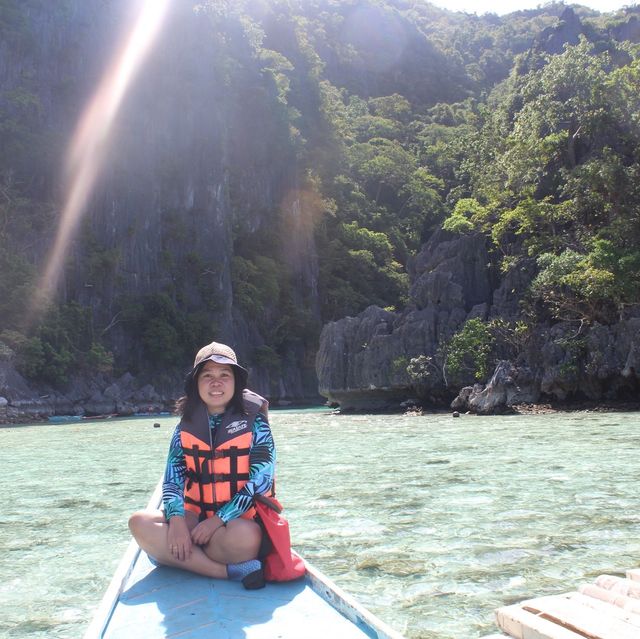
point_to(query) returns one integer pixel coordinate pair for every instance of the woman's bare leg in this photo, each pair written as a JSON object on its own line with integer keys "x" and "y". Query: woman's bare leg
{"x": 237, "y": 541}
{"x": 150, "y": 530}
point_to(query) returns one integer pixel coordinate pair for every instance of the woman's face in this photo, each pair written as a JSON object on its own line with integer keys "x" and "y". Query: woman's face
{"x": 216, "y": 385}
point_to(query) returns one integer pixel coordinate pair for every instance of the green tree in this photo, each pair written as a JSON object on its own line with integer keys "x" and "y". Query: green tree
{"x": 467, "y": 353}
{"x": 360, "y": 271}
{"x": 468, "y": 215}
{"x": 577, "y": 286}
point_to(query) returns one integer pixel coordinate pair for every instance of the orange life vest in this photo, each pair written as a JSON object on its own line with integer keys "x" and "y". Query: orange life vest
{"x": 217, "y": 470}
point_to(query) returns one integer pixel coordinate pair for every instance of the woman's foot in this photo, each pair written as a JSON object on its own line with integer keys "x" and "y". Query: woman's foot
{"x": 249, "y": 572}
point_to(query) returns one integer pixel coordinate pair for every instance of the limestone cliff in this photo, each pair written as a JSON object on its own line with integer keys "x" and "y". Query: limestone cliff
{"x": 200, "y": 169}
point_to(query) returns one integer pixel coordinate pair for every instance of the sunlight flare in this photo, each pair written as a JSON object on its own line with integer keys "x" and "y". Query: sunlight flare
{"x": 89, "y": 143}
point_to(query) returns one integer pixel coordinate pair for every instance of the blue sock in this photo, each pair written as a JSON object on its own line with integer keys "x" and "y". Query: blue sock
{"x": 237, "y": 572}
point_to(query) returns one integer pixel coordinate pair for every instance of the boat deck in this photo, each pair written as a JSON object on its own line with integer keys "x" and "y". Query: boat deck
{"x": 164, "y": 602}
{"x": 608, "y": 608}
{"x": 160, "y": 602}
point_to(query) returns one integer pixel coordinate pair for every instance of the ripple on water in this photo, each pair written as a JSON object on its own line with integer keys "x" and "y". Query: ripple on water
{"x": 503, "y": 557}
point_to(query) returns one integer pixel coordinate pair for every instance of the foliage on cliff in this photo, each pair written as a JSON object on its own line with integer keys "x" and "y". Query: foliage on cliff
{"x": 390, "y": 118}
{"x": 553, "y": 171}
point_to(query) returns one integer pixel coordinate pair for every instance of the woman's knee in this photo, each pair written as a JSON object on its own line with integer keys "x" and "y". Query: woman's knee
{"x": 139, "y": 522}
{"x": 135, "y": 521}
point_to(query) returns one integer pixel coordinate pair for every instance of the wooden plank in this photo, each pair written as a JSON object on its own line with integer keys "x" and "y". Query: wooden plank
{"x": 582, "y": 620}
{"x": 634, "y": 574}
{"x": 606, "y": 608}
{"x": 626, "y": 587}
{"x": 615, "y": 599}
{"x": 522, "y": 624}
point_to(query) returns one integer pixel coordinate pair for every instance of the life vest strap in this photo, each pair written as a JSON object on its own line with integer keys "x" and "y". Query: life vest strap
{"x": 205, "y": 475}
{"x": 198, "y": 469}
{"x": 203, "y": 507}
{"x": 206, "y": 507}
{"x": 232, "y": 477}
{"x": 197, "y": 452}
{"x": 231, "y": 452}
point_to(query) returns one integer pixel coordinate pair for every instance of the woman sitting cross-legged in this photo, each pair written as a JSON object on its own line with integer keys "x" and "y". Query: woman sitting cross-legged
{"x": 221, "y": 455}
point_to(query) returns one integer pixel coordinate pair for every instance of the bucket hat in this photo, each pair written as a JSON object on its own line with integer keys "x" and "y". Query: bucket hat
{"x": 220, "y": 354}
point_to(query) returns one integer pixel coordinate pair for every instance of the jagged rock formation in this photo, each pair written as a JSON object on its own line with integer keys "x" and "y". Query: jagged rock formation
{"x": 362, "y": 360}
{"x": 567, "y": 31}
{"x": 90, "y": 397}
{"x": 605, "y": 370}
{"x": 629, "y": 30}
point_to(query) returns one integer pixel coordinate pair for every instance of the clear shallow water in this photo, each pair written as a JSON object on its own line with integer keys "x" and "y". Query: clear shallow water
{"x": 430, "y": 522}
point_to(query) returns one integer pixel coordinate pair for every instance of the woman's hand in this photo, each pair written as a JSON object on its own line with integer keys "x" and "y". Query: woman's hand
{"x": 203, "y": 532}
{"x": 179, "y": 539}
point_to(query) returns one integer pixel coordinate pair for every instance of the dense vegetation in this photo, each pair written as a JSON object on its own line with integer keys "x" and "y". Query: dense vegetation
{"x": 400, "y": 118}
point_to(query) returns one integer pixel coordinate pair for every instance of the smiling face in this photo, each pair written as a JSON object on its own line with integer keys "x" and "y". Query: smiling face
{"x": 216, "y": 385}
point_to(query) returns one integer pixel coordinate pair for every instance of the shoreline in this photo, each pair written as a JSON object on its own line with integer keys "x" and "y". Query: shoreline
{"x": 582, "y": 406}
{"x": 576, "y": 407}
{"x": 518, "y": 409}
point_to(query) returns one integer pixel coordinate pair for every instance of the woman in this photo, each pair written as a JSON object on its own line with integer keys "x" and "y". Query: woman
{"x": 221, "y": 455}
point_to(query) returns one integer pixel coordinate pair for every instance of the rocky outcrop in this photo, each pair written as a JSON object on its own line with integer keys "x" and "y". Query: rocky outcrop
{"x": 568, "y": 30}
{"x": 629, "y": 30}
{"x": 361, "y": 362}
{"x": 353, "y": 358}
{"x": 508, "y": 386}
{"x": 20, "y": 402}
{"x": 561, "y": 365}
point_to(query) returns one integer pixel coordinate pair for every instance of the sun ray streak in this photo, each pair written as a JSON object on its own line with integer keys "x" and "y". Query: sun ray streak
{"x": 88, "y": 146}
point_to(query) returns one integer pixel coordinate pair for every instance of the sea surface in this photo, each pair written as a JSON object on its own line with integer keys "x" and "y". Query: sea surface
{"x": 430, "y": 522}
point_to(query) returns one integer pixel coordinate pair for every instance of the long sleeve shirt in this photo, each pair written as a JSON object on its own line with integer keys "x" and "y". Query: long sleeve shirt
{"x": 262, "y": 460}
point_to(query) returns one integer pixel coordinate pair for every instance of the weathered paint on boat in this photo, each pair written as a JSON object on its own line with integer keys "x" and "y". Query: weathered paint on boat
{"x": 149, "y": 602}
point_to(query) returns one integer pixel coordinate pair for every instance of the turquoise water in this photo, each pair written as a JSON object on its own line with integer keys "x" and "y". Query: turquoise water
{"x": 431, "y": 522}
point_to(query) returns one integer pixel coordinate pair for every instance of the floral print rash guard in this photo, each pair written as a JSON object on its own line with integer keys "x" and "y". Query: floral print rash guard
{"x": 262, "y": 461}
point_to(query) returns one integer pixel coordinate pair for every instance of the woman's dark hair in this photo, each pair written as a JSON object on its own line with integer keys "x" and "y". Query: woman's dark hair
{"x": 187, "y": 404}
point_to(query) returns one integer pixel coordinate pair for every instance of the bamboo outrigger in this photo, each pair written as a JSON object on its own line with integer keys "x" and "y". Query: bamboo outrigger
{"x": 608, "y": 608}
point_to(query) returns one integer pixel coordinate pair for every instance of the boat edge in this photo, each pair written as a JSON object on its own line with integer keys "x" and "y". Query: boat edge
{"x": 107, "y": 605}
{"x": 347, "y": 606}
